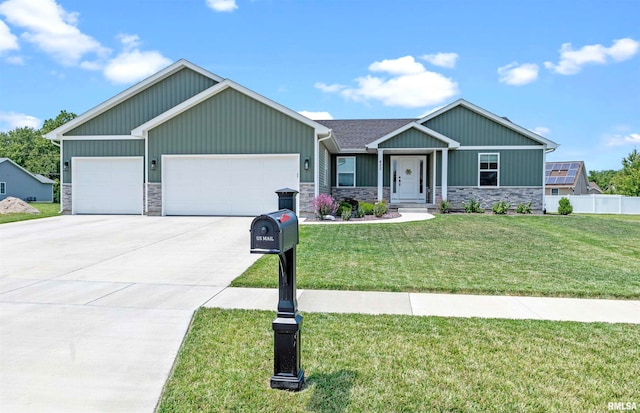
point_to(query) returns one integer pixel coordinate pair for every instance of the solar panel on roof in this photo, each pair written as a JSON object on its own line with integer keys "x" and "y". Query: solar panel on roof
{"x": 572, "y": 172}
{"x": 551, "y": 180}
{"x": 549, "y": 166}
{"x": 574, "y": 165}
{"x": 564, "y": 166}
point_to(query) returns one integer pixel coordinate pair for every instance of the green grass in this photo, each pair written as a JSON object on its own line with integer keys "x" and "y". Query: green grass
{"x": 571, "y": 256}
{"x": 361, "y": 363}
{"x": 46, "y": 210}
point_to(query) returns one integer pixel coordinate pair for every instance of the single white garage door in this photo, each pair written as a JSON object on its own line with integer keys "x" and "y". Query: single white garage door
{"x": 225, "y": 184}
{"x": 107, "y": 185}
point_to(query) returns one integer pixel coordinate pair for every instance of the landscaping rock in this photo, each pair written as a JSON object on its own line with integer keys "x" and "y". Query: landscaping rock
{"x": 11, "y": 205}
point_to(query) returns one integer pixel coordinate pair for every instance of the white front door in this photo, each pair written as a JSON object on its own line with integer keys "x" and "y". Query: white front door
{"x": 408, "y": 175}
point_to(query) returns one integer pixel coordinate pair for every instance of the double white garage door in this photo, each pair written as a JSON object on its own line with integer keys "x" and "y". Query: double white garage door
{"x": 191, "y": 184}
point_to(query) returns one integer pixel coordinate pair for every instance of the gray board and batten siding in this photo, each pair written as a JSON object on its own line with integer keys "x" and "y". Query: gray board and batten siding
{"x": 412, "y": 138}
{"x": 110, "y": 147}
{"x": 230, "y": 122}
{"x": 20, "y": 183}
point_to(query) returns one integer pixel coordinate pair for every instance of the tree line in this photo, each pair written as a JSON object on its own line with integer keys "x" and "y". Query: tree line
{"x": 26, "y": 147}
{"x": 625, "y": 181}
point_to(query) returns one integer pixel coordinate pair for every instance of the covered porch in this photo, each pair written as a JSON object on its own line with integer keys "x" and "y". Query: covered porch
{"x": 414, "y": 158}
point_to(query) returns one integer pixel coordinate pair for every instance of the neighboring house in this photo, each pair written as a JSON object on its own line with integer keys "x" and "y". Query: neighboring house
{"x": 594, "y": 189}
{"x": 566, "y": 178}
{"x": 188, "y": 142}
{"x": 17, "y": 182}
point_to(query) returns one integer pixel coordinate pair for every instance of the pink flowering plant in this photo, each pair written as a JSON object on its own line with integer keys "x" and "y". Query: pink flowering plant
{"x": 324, "y": 204}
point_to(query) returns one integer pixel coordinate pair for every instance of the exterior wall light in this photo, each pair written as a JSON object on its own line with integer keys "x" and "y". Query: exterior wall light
{"x": 66, "y": 165}
{"x": 153, "y": 164}
{"x": 306, "y": 164}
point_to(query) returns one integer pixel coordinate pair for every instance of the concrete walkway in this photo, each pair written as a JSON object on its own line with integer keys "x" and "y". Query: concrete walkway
{"x": 445, "y": 305}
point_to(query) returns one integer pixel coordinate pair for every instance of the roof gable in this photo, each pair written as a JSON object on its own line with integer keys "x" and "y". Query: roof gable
{"x": 355, "y": 134}
{"x": 141, "y": 130}
{"x": 422, "y": 137}
{"x": 140, "y": 102}
{"x": 37, "y": 177}
{"x": 472, "y": 125}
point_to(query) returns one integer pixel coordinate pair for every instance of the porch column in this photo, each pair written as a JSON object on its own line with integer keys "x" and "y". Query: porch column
{"x": 433, "y": 177}
{"x": 445, "y": 172}
{"x": 380, "y": 173}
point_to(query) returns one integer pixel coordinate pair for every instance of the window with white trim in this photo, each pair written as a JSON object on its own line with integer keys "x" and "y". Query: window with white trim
{"x": 346, "y": 171}
{"x": 489, "y": 169}
{"x": 554, "y": 191}
{"x": 3, "y": 188}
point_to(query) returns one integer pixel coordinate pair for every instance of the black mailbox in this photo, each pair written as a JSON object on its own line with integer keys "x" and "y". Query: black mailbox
{"x": 274, "y": 233}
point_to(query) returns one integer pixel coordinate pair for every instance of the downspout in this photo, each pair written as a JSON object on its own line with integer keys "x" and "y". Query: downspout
{"x": 316, "y": 168}
{"x": 59, "y": 145}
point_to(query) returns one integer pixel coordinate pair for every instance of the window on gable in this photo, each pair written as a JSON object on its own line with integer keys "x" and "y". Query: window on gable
{"x": 346, "y": 171}
{"x": 489, "y": 169}
{"x": 3, "y": 188}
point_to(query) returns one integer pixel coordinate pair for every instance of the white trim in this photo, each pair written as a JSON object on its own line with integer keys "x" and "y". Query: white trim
{"x": 101, "y": 138}
{"x": 445, "y": 174}
{"x": 215, "y": 89}
{"x": 338, "y": 173}
{"x": 461, "y": 102}
{"x": 450, "y": 142}
{"x": 57, "y": 133}
{"x": 489, "y": 170}
{"x": 3, "y": 188}
{"x": 501, "y": 148}
{"x": 381, "y": 174}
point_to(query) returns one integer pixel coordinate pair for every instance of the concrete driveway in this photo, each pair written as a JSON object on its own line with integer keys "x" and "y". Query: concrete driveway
{"x": 93, "y": 309}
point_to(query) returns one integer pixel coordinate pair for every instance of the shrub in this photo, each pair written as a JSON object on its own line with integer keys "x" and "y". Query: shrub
{"x": 524, "y": 208}
{"x": 366, "y": 207}
{"x": 343, "y": 205}
{"x": 472, "y": 207}
{"x": 346, "y": 213}
{"x": 359, "y": 213}
{"x": 564, "y": 206}
{"x": 380, "y": 208}
{"x": 501, "y": 207}
{"x": 324, "y": 204}
{"x": 444, "y": 206}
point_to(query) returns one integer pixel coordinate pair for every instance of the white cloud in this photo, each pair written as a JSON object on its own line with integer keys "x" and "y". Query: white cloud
{"x": 131, "y": 64}
{"x": 571, "y": 61}
{"x": 406, "y": 65}
{"x": 620, "y": 140}
{"x": 316, "y": 115}
{"x": 52, "y": 29}
{"x": 222, "y": 5}
{"x": 8, "y": 41}
{"x": 12, "y": 120}
{"x": 516, "y": 74}
{"x": 541, "y": 130}
{"x": 409, "y": 85}
{"x": 15, "y": 60}
{"x": 329, "y": 88}
{"x": 442, "y": 59}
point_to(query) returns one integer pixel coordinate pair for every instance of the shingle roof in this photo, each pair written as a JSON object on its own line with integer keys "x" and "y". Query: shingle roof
{"x": 562, "y": 173}
{"x": 357, "y": 133}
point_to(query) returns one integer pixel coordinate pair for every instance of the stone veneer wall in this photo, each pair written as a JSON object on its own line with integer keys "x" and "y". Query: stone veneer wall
{"x": 65, "y": 195}
{"x": 362, "y": 193}
{"x": 307, "y": 192}
{"x": 154, "y": 192}
{"x": 488, "y": 196}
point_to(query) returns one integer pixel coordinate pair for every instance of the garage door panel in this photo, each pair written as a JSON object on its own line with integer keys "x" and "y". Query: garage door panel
{"x": 226, "y": 185}
{"x": 107, "y": 185}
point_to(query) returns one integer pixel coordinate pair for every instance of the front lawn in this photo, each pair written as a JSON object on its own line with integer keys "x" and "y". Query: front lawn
{"x": 362, "y": 363}
{"x": 572, "y": 256}
{"x": 46, "y": 210}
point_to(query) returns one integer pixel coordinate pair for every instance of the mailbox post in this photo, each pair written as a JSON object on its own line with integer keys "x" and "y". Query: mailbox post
{"x": 277, "y": 233}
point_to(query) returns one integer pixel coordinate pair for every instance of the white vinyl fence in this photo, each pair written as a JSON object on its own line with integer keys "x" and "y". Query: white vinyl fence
{"x": 596, "y": 204}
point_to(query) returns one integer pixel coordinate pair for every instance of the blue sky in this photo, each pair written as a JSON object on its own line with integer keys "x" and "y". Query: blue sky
{"x": 569, "y": 70}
